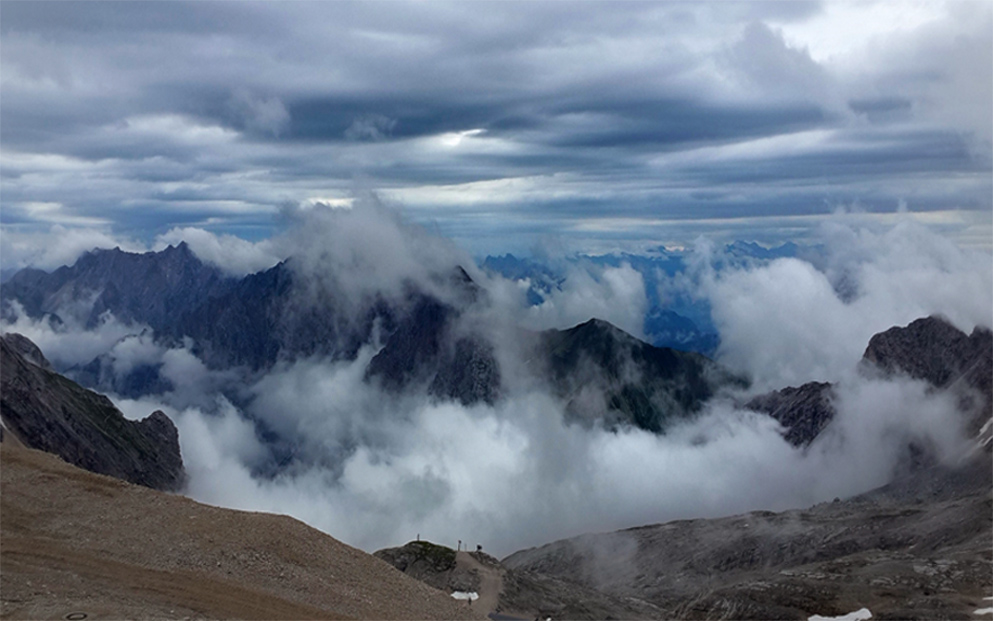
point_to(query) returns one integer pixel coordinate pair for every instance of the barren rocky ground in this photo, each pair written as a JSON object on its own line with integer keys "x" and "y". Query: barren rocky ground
{"x": 919, "y": 548}
{"x": 75, "y": 543}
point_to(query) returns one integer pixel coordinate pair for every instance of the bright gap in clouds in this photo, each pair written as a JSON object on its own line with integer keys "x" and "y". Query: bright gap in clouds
{"x": 843, "y": 29}
{"x": 454, "y": 139}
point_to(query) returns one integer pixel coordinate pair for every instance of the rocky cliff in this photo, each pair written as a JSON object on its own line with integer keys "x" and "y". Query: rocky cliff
{"x": 605, "y": 373}
{"x": 152, "y": 288}
{"x": 929, "y": 349}
{"x": 933, "y": 350}
{"x": 46, "y": 411}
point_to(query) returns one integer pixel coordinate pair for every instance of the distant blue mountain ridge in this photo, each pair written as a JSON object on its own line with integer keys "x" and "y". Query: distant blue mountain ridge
{"x": 679, "y": 321}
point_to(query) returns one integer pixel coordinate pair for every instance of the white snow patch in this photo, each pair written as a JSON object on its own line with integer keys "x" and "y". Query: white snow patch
{"x": 859, "y": 615}
{"x": 984, "y": 611}
{"x": 466, "y": 595}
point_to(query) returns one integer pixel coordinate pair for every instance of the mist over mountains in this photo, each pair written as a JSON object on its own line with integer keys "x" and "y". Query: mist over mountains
{"x": 378, "y": 383}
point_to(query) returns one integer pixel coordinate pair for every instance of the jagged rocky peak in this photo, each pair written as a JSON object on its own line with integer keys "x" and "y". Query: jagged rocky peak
{"x": 933, "y": 350}
{"x": 26, "y": 348}
{"x": 150, "y": 288}
{"x": 929, "y": 349}
{"x": 606, "y": 374}
{"x": 803, "y": 412}
{"x": 44, "y": 410}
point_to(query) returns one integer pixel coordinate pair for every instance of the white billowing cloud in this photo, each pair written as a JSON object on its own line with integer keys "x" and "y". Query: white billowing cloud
{"x": 61, "y": 245}
{"x": 514, "y": 474}
{"x": 781, "y": 322}
{"x": 134, "y": 351}
{"x": 352, "y": 254}
{"x": 57, "y": 246}
{"x": 69, "y": 343}
{"x": 375, "y": 469}
{"x": 233, "y": 255}
{"x": 786, "y": 323}
{"x": 615, "y": 294}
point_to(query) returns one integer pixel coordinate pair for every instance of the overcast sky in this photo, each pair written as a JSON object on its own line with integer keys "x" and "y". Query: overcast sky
{"x": 503, "y": 125}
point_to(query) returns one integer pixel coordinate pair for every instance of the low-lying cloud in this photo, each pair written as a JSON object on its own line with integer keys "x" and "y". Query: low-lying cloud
{"x": 313, "y": 439}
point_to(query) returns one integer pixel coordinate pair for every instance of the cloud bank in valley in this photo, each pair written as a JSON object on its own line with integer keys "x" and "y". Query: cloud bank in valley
{"x": 311, "y": 438}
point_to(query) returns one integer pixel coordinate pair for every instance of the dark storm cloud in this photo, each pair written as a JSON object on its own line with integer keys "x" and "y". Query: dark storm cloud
{"x": 142, "y": 114}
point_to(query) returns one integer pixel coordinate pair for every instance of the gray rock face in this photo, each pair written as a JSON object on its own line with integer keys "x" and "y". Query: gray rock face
{"x": 24, "y": 347}
{"x": 46, "y": 411}
{"x": 917, "y": 548}
{"x": 933, "y": 350}
{"x": 929, "y": 349}
{"x": 151, "y": 288}
{"x": 804, "y": 412}
{"x": 604, "y": 372}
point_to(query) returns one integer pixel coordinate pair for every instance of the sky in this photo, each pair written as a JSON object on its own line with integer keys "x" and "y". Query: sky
{"x": 504, "y": 126}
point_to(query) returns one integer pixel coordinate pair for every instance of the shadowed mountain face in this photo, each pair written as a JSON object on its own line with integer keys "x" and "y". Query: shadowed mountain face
{"x": 916, "y": 548}
{"x": 153, "y": 288}
{"x": 804, "y": 411}
{"x": 269, "y": 316}
{"x": 933, "y": 350}
{"x": 279, "y": 314}
{"x": 46, "y": 411}
{"x": 427, "y": 350}
{"x": 597, "y": 367}
{"x": 929, "y": 349}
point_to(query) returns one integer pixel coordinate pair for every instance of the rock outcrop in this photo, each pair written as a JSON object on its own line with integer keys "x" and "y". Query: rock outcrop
{"x": 46, "y": 411}
{"x": 515, "y": 594}
{"x": 933, "y": 350}
{"x": 929, "y": 349}
{"x": 803, "y": 412}
{"x": 606, "y": 374}
{"x": 432, "y": 564}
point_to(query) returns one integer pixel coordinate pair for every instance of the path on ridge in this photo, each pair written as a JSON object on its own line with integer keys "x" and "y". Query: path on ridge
{"x": 490, "y": 581}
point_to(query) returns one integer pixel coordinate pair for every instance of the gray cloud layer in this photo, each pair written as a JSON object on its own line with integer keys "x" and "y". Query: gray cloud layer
{"x": 502, "y": 123}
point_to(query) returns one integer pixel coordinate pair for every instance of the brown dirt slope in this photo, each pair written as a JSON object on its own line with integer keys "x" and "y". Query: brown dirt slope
{"x": 76, "y": 542}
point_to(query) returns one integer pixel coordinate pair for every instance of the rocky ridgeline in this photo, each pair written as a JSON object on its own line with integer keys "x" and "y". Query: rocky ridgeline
{"x": 44, "y": 410}
{"x": 929, "y": 349}
{"x": 281, "y": 314}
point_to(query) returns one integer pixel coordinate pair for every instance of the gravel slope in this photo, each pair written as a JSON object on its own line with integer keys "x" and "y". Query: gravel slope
{"x": 76, "y": 542}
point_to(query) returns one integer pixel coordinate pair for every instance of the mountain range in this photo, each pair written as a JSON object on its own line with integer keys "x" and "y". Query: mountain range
{"x": 918, "y": 547}
{"x": 271, "y": 316}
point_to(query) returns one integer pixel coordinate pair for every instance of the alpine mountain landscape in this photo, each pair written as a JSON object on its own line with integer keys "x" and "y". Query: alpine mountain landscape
{"x": 498, "y": 311}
